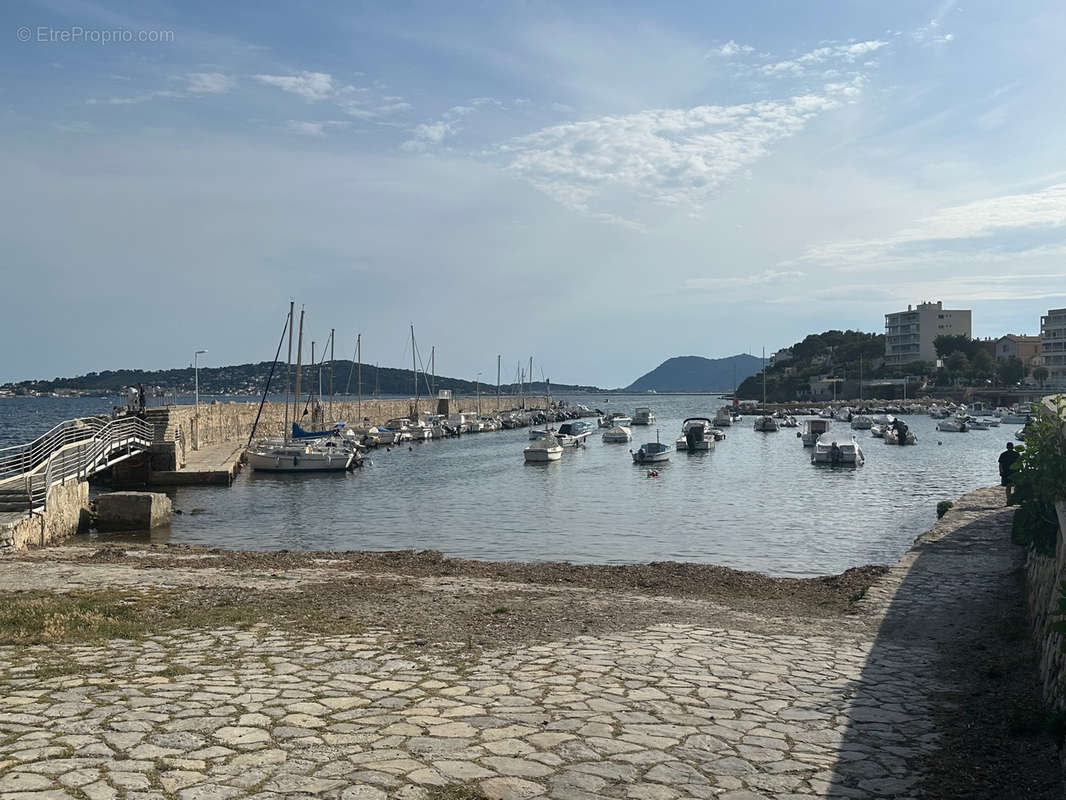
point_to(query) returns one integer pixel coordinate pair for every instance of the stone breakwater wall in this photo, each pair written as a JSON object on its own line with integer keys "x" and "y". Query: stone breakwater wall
{"x": 232, "y": 422}
{"x": 1044, "y": 577}
{"x": 66, "y": 510}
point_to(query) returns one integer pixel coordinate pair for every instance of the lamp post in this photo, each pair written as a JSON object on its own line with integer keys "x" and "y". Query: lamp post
{"x": 196, "y": 377}
{"x": 477, "y": 383}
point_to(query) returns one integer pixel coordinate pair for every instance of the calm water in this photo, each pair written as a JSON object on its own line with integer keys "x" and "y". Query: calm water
{"x": 754, "y": 503}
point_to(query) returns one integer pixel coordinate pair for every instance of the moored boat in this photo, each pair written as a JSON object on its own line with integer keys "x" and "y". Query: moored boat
{"x": 812, "y": 429}
{"x": 696, "y": 435}
{"x": 837, "y": 452}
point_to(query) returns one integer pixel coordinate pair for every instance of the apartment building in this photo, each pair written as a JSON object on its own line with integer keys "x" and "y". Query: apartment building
{"x": 909, "y": 335}
{"x": 1053, "y": 345}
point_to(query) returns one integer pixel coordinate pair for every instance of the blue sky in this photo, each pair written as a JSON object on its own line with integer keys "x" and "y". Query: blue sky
{"x": 598, "y": 186}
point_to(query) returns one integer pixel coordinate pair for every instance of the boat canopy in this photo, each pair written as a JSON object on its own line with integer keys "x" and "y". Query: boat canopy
{"x": 300, "y": 433}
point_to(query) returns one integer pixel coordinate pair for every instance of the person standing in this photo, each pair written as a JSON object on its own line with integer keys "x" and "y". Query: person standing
{"x": 1006, "y": 467}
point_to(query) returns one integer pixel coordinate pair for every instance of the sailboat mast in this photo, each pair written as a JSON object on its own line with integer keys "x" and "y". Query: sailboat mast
{"x": 433, "y": 370}
{"x": 299, "y": 370}
{"x": 359, "y": 380}
{"x": 860, "y": 379}
{"x": 288, "y": 373}
{"x": 498, "y": 382}
{"x": 414, "y": 368}
{"x": 764, "y": 379}
{"x": 332, "y": 365}
{"x": 310, "y": 391}
{"x": 530, "y": 376}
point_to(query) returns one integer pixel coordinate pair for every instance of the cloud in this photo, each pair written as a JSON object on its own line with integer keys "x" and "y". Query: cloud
{"x": 731, "y": 48}
{"x": 768, "y": 276}
{"x": 434, "y": 133}
{"x": 133, "y": 99}
{"x": 209, "y": 83}
{"x": 671, "y": 157}
{"x": 313, "y": 128}
{"x": 848, "y": 53}
{"x": 984, "y": 221}
{"x": 373, "y": 112}
{"x": 311, "y": 86}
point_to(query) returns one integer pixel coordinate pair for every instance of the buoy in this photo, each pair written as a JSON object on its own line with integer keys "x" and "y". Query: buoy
{"x": 940, "y": 443}
{"x": 653, "y": 473}
{"x": 410, "y": 449}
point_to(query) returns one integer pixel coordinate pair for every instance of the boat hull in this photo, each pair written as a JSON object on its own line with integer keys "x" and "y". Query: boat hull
{"x": 540, "y": 455}
{"x": 299, "y": 462}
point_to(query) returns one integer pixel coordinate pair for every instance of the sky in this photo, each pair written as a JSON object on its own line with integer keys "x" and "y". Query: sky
{"x": 600, "y": 186}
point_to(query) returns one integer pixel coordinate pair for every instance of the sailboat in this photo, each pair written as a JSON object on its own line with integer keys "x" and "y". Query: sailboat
{"x": 765, "y": 423}
{"x": 328, "y": 454}
{"x": 545, "y": 447}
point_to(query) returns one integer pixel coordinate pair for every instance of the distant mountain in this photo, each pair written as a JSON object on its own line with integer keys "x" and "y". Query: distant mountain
{"x": 697, "y": 374}
{"x": 249, "y": 379}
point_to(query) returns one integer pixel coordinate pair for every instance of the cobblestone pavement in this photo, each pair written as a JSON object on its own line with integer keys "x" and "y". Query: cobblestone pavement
{"x": 665, "y": 712}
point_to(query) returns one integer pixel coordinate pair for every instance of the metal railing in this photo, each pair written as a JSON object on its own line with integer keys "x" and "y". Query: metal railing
{"x": 76, "y": 448}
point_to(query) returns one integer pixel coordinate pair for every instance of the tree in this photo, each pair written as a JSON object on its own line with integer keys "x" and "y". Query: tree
{"x": 946, "y": 345}
{"x": 1041, "y": 374}
{"x": 957, "y": 361}
{"x": 1011, "y": 370}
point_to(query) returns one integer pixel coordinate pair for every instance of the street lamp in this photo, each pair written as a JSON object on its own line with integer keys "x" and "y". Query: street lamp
{"x": 196, "y": 376}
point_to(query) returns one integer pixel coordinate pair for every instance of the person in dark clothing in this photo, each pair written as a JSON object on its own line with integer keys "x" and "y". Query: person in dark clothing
{"x": 901, "y": 431}
{"x": 140, "y": 397}
{"x": 1006, "y": 466}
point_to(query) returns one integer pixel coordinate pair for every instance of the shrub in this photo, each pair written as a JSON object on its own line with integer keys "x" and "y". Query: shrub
{"x": 942, "y": 508}
{"x": 1040, "y": 479}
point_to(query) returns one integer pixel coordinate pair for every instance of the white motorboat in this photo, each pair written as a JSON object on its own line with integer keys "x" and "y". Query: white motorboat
{"x": 836, "y": 452}
{"x": 723, "y": 417}
{"x": 812, "y": 429}
{"x": 696, "y": 436}
{"x": 878, "y": 431}
{"x": 643, "y": 416}
{"x": 975, "y": 424}
{"x": 952, "y": 425}
{"x": 788, "y": 421}
{"x": 892, "y": 437}
{"x": 573, "y": 433}
{"x": 861, "y": 422}
{"x": 766, "y": 424}
{"x": 544, "y": 449}
{"x": 615, "y": 418}
{"x": 883, "y": 419}
{"x": 541, "y": 433}
{"x": 619, "y": 434}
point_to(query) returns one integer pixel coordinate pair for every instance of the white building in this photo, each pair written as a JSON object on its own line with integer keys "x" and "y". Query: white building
{"x": 909, "y": 335}
{"x": 1053, "y": 345}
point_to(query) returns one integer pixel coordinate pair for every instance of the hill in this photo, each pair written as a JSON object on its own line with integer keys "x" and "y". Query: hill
{"x": 697, "y": 374}
{"x": 831, "y": 353}
{"x": 249, "y": 379}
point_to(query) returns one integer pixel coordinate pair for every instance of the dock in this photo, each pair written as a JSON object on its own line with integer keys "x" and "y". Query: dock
{"x": 211, "y": 465}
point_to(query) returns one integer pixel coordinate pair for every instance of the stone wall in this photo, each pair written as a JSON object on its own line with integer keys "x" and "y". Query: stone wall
{"x": 1044, "y": 577}
{"x": 229, "y": 422}
{"x": 66, "y": 509}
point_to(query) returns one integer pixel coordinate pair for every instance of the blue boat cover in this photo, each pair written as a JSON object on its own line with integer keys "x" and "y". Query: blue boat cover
{"x": 300, "y": 433}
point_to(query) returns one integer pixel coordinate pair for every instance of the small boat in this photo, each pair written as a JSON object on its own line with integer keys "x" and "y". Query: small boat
{"x": 619, "y": 434}
{"x": 878, "y": 431}
{"x": 837, "y": 453}
{"x": 766, "y": 424}
{"x": 952, "y": 425}
{"x": 544, "y": 449}
{"x": 861, "y": 422}
{"x": 723, "y": 417}
{"x": 650, "y": 452}
{"x": 573, "y": 433}
{"x": 616, "y": 418}
{"x": 540, "y": 433}
{"x": 643, "y": 416}
{"x": 812, "y": 429}
{"x": 696, "y": 435}
{"x": 975, "y": 424}
{"x": 277, "y": 456}
{"x": 788, "y": 421}
{"x": 892, "y": 437}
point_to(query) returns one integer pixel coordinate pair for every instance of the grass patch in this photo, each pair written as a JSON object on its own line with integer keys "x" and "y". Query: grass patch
{"x": 44, "y": 618}
{"x": 501, "y": 610}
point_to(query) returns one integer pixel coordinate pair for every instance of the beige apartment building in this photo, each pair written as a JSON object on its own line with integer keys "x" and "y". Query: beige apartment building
{"x": 909, "y": 335}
